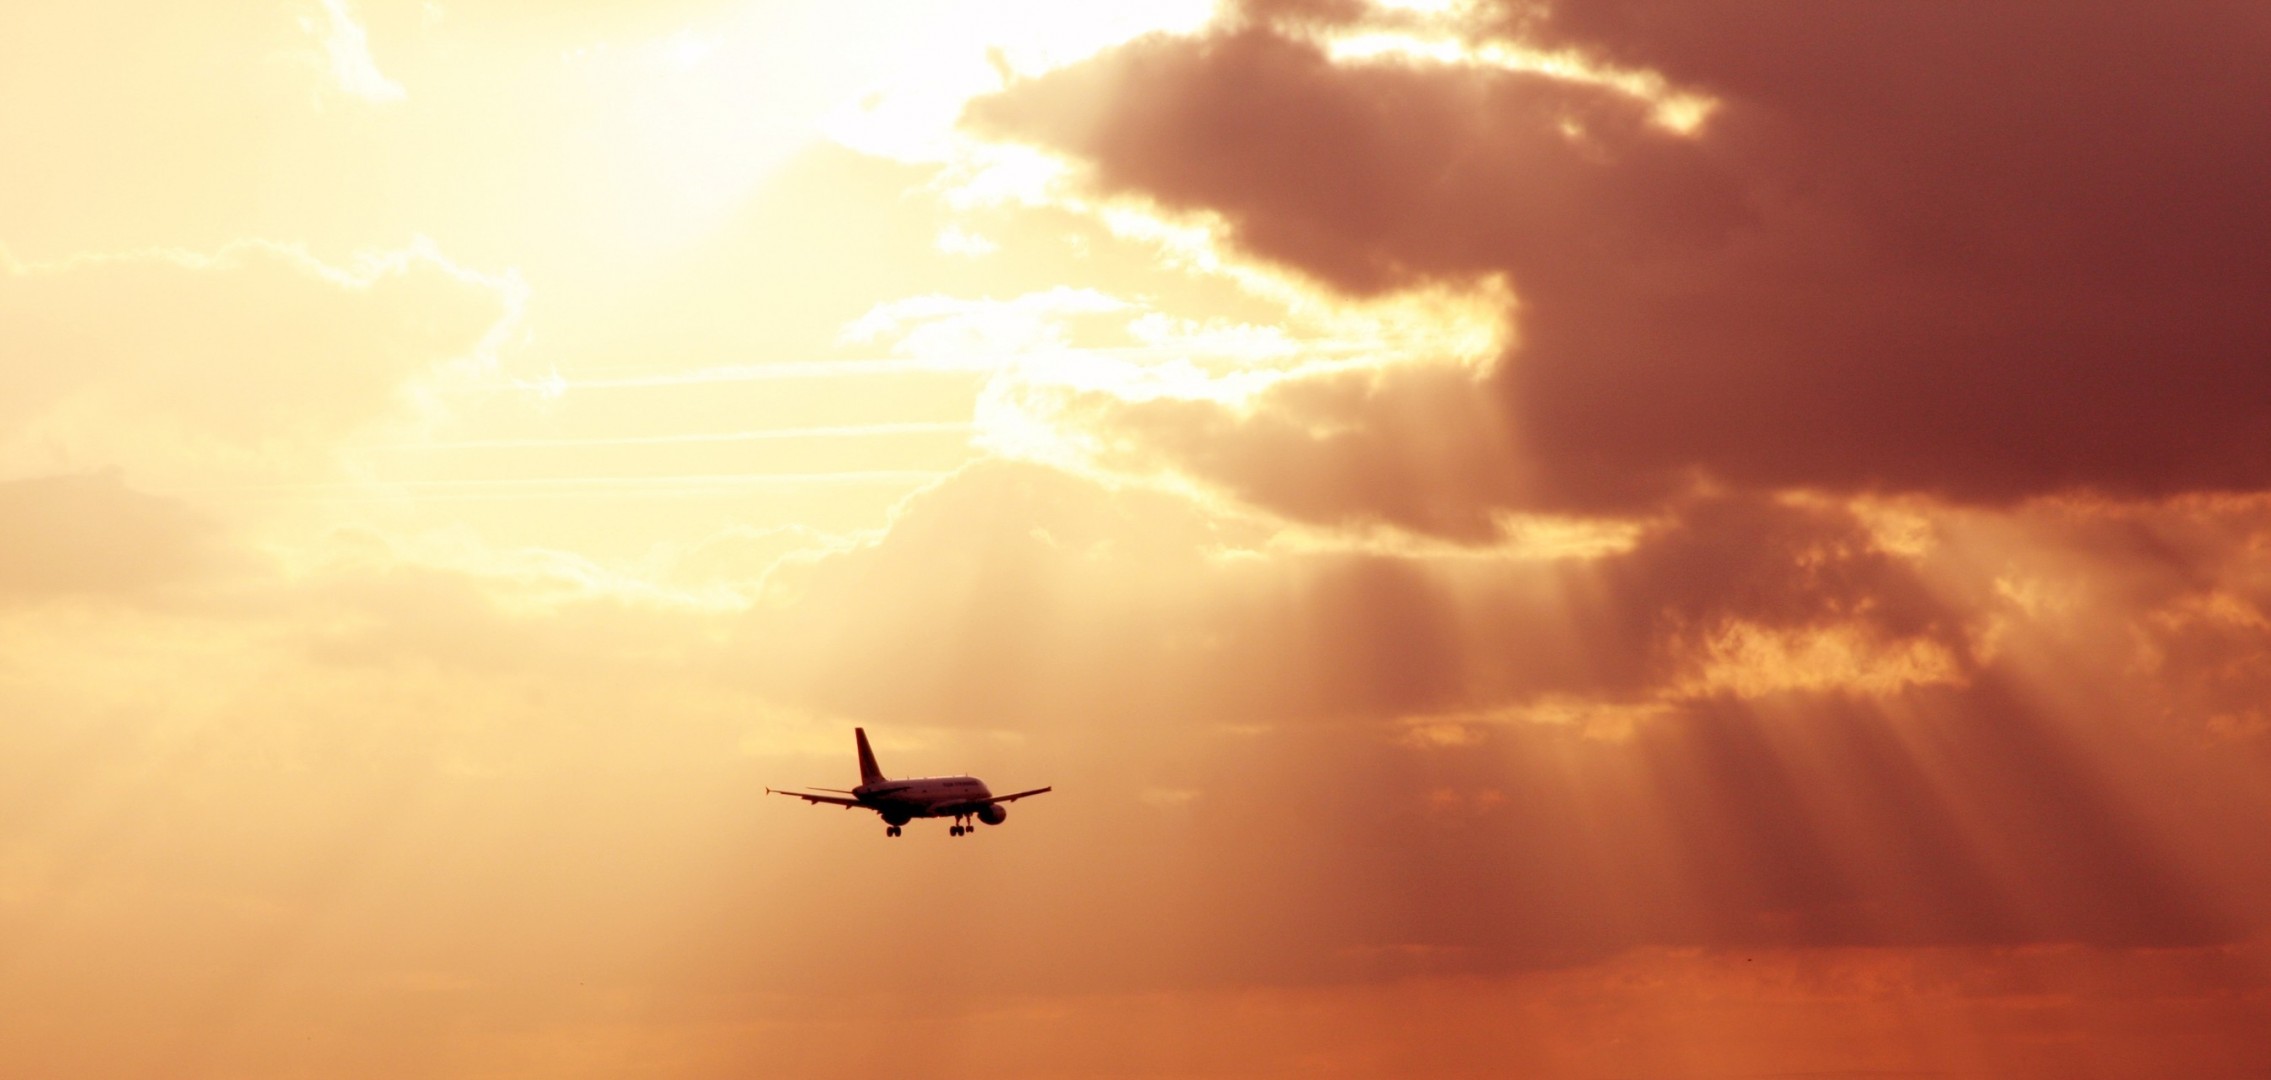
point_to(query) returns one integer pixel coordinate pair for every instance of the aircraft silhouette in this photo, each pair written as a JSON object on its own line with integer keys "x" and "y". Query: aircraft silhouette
{"x": 902, "y": 801}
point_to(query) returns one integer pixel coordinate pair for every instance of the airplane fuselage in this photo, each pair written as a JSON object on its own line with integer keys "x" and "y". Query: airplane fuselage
{"x": 924, "y": 796}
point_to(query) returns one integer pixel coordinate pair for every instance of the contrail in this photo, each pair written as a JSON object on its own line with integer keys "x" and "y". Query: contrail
{"x": 837, "y": 431}
{"x": 559, "y": 487}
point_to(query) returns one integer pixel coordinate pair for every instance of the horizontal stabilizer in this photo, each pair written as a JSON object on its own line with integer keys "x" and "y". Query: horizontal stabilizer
{"x": 832, "y": 800}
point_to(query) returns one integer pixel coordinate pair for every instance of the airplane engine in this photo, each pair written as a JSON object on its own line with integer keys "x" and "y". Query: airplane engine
{"x": 993, "y": 814}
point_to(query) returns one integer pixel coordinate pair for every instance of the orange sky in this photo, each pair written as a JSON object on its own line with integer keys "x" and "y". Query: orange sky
{"x": 1567, "y": 539}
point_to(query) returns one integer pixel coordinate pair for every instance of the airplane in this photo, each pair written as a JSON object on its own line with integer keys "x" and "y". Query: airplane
{"x": 902, "y": 801}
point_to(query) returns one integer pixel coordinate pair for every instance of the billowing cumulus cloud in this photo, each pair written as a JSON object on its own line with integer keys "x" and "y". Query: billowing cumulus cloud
{"x": 1985, "y": 255}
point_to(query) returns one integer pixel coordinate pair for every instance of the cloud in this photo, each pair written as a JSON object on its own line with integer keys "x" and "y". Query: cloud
{"x": 2012, "y": 254}
{"x": 1764, "y": 722}
{"x": 386, "y": 781}
{"x": 1419, "y": 447}
{"x": 347, "y": 48}
{"x": 1347, "y": 736}
{"x": 1008, "y": 594}
{"x": 89, "y": 533}
{"x": 250, "y": 361}
{"x": 328, "y": 777}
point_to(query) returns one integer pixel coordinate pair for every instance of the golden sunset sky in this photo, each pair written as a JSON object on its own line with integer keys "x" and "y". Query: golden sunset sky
{"x": 1592, "y": 539}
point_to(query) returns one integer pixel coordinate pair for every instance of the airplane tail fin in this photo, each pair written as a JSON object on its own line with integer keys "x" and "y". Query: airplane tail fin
{"x": 869, "y": 774}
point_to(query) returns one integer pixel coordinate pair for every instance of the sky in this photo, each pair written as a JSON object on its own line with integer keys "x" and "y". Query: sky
{"x": 1587, "y": 539}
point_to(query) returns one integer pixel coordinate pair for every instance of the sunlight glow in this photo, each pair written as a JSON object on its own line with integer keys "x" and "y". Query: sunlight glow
{"x": 1676, "y": 111}
{"x": 1750, "y": 661}
{"x": 975, "y": 49}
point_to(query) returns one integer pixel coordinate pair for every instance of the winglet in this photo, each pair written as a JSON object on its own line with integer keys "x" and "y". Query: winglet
{"x": 869, "y": 774}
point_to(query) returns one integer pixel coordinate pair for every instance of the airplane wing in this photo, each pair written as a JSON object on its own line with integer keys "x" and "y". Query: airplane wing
{"x": 975, "y": 805}
{"x": 829, "y": 799}
{"x": 1012, "y": 798}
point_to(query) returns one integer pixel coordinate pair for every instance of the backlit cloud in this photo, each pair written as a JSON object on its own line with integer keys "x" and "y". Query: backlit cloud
{"x": 2005, "y": 256}
{"x": 251, "y": 361}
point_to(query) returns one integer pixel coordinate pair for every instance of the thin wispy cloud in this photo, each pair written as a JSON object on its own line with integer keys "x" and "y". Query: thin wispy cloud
{"x": 347, "y": 49}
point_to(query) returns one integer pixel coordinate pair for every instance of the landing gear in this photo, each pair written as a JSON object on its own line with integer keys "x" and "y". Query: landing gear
{"x": 956, "y": 831}
{"x": 891, "y": 830}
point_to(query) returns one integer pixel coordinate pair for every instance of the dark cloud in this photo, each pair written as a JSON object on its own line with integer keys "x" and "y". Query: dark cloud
{"x": 1421, "y": 448}
{"x": 1985, "y": 253}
